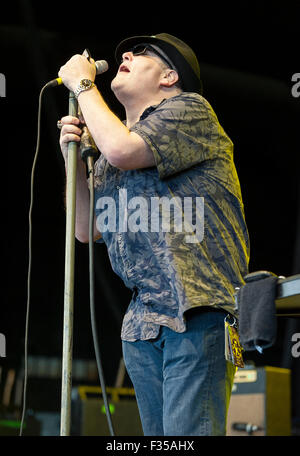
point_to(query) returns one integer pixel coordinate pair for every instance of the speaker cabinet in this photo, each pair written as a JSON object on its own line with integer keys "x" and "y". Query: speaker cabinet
{"x": 260, "y": 403}
{"x": 88, "y": 416}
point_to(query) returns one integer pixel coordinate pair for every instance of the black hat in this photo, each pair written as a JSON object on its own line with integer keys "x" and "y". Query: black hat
{"x": 181, "y": 55}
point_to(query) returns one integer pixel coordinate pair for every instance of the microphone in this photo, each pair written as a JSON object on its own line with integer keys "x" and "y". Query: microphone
{"x": 101, "y": 67}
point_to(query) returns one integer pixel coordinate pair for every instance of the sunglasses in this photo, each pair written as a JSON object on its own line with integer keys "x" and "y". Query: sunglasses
{"x": 141, "y": 49}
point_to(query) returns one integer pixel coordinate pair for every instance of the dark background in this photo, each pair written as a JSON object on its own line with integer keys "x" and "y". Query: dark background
{"x": 248, "y": 53}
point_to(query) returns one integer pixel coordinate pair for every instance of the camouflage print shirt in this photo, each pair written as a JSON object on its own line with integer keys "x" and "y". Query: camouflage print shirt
{"x": 175, "y": 232}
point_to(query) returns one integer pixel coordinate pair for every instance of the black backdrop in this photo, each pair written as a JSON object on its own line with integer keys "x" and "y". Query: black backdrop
{"x": 247, "y": 52}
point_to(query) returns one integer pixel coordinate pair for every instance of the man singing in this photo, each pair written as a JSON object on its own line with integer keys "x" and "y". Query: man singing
{"x": 171, "y": 147}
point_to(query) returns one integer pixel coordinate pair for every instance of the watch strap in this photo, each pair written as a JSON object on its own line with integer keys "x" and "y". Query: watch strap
{"x": 85, "y": 84}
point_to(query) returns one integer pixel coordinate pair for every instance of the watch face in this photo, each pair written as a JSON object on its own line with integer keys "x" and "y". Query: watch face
{"x": 86, "y": 83}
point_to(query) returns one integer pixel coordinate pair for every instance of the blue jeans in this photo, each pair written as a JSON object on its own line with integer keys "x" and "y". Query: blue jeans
{"x": 182, "y": 381}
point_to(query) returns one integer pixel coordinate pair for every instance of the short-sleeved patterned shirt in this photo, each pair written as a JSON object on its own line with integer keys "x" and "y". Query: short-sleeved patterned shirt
{"x": 175, "y": 232}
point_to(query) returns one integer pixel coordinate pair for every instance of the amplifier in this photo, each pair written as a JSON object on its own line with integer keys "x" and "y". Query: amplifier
{"x": 260, "y": 403}
{"x": 88, "y": 415}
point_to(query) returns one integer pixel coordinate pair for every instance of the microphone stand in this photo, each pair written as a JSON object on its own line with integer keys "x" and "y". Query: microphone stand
{"x": 89, "y": 153}
{"x": 69, "y": 279}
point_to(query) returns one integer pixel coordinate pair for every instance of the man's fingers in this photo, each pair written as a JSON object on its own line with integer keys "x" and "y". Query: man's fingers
{"x": 69, "y": 128}
{"x": 70, "y": 137}
{"x": 70, "y": 120}
{"x": 70, "y": 131}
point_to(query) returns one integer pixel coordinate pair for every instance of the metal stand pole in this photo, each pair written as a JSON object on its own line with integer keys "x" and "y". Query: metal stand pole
{"x": 69, "y": 280}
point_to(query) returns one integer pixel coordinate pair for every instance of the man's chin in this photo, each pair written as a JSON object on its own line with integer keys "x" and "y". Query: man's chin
{"x": 118, "y": 89}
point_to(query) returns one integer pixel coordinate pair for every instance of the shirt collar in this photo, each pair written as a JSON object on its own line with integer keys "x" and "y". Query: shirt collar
{"x": 150, "y": 109}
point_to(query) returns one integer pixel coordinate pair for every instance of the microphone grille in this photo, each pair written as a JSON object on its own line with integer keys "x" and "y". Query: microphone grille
{"x": 101, "y": 66}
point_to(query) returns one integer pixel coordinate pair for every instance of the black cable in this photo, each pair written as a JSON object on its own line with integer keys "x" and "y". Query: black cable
{"x": 92, "y": 295}
{"x": 30, "y": 259}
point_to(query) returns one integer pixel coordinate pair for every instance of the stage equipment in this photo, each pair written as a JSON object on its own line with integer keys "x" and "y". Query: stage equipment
{"x": 260, "y": 403}
{"x": 89, "y": 416}
{"x": 287, "y": 298}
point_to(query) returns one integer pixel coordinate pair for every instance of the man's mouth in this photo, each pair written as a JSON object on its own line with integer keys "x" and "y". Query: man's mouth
{"x": 124, "y": 68}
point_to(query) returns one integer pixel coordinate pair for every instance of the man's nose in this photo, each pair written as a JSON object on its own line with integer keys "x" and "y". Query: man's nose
{"x": 127, "y": 56}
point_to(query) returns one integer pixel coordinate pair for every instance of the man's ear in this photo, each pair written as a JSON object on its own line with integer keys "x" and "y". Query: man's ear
{"x": 169, "y": 78}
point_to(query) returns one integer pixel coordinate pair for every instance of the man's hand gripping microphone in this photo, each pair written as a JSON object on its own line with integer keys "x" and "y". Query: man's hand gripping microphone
{"x": 101, "y": 67}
